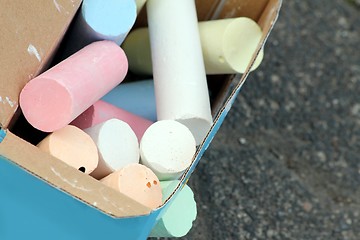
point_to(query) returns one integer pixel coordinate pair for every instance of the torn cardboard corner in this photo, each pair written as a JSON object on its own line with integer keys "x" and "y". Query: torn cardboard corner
{"x": 31, "y": 33}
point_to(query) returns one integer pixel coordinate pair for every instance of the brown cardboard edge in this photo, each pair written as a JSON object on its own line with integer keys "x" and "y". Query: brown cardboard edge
{"x": 271, "y": 14}
{"x": 69, "y": 180}
{"x": 12, "y": 111}
{"x": 233, "y": 80}
{"x": 267, "y": 22}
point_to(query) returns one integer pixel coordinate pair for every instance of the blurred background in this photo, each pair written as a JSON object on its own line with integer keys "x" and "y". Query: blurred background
{"x": 285, "y": 164}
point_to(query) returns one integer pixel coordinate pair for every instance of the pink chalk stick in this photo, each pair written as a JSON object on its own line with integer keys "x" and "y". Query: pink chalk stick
{"x": 102, "y": 111}
{"x": 56, "y": 97}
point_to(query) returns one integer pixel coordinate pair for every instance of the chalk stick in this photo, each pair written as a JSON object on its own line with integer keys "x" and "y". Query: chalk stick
{"x": 117, "y": 146}
{"x": 179, "y": 215}
{"x": 138, "y": 50}
{"x": 72, "y": 146}
{"x": 137, "y": 97}
{"x": 102, "y": 111}
{"x": 137, "y": 182}
{"x": 139, "y": 5}
{"x": 227, "y": 46}
{"x": 167, "y": 148}
{"x": 233, "y": 43}
{"x": 56, "y": 97}
{"x": 100, "y": 20}
{"x": 179, "y": 74}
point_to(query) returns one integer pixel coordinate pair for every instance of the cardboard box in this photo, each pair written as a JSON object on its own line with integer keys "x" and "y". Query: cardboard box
{"x": 43, "y": 198}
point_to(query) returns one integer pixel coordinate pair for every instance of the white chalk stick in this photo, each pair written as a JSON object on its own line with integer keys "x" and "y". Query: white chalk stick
{"x": 167, "y": 147}
{"x": 179, "y": 74}
{"x": 117, "y": 145}
{"x": 102, "y": 111}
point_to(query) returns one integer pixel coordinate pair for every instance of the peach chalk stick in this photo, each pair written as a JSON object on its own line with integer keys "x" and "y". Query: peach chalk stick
{"x": 102, "y": 111}
{"x": 126, "y": 96}
{"x": 56, "y": 97}
{"x": 100, "y": 20}
{"x": 179, "y": 215}
{"x": 72, "y": 146}
{"x": 137, "y": 182}
{"x": 117, "y": 146}
{"x": 227, "y": 46}
{"x": 179, "y": 74}
{"x": 167, "y": 148}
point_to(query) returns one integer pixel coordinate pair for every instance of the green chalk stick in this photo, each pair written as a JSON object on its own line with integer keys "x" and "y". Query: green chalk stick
{"x": 180, "y": 214}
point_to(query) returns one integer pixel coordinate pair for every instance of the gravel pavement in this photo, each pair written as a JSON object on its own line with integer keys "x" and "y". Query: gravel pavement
{"x": 285, "y": 164}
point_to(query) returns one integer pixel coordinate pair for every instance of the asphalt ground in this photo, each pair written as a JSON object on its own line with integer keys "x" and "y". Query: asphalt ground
{"x": 285, "y": 164}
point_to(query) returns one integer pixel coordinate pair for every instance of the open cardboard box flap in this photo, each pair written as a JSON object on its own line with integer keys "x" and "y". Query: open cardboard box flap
{"x": 32, "y": 32}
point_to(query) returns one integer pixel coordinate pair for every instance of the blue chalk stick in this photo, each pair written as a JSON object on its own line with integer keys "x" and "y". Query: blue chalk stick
{"x": 110, "y": 19}
{"x": 136, "y": 97}
{"x": 99, "y": 20}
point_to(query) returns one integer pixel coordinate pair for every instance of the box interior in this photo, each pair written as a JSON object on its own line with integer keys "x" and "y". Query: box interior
{"x": 20, "y": 135}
